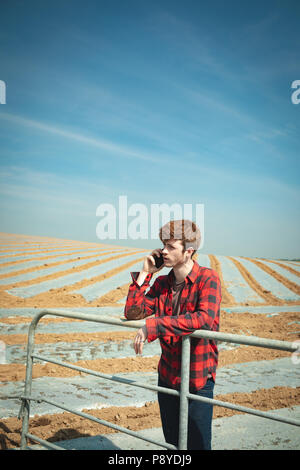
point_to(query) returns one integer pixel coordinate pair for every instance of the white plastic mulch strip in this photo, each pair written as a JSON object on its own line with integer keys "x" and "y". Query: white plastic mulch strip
{"x": 268, "y": 282}
{"x": 70, "y": 279}
{"x": 282, "y": 271}
{"x": 236, "y": 284}
{"x": 93, "y": 392}
{"x": 71, "y": 262}
{"x": 45, "y": 255}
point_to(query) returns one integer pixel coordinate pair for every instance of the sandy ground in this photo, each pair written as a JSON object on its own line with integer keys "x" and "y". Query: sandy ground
{"x": 66, "y": 426}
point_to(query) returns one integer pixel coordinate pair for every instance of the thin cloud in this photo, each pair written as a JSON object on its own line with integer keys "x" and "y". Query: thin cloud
{"x": 98, "y": 143}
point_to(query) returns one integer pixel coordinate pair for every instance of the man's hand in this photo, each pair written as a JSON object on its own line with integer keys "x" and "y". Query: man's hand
{"x": 139, "y": 340}
{"x": 149, "y": 262}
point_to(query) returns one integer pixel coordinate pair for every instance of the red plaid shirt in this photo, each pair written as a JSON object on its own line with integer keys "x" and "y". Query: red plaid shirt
{"x": 199, "y": 308}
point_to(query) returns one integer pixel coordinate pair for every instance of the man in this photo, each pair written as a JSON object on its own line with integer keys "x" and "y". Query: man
{"x": 186, "y": 299}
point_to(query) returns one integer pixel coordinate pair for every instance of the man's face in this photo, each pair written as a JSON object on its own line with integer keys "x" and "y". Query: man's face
{"x": 173, "y": 253}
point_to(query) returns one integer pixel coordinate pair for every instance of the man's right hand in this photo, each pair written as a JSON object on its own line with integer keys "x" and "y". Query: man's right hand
{"x": 149, "y": 266}
{"x": 149, "y": 262}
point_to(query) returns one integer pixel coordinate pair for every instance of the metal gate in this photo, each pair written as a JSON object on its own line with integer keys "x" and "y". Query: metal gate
{"x": 183, "y": 394}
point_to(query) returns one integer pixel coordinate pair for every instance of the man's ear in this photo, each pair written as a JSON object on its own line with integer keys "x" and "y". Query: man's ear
{"x": 190, "y": 250}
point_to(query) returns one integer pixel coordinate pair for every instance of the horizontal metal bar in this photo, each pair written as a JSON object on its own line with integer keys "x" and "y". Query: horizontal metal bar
{"x": 103, "y": 422}
{"x": 172, "y": 391}
{"x": 107, "y": 376}
{"x": 216, "y": 335}
{"x": 43, "y": 442}
{"x": 262, "y": 414}
{"x": 247, "y": 340}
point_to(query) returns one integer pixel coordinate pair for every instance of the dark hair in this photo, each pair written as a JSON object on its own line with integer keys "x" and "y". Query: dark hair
{"x": 184, "y": 230}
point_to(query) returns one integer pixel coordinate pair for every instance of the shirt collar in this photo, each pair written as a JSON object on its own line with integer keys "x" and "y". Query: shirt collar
{"x": 192, "y": 276}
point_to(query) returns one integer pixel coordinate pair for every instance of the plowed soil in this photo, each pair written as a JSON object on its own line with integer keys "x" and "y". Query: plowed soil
{"x": 55, "y": 427}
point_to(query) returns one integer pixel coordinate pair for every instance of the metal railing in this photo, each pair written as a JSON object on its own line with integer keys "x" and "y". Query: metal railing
{"x": 183, "y": 394}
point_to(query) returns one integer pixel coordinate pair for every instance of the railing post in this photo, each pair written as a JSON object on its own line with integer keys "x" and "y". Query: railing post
{"x": 25, "y": 407}
{"x": 184, "y": 390}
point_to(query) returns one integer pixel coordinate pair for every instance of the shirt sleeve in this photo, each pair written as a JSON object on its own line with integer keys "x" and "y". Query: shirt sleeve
{"x": 140, "y": 304}
{"x": 203, "y": 317}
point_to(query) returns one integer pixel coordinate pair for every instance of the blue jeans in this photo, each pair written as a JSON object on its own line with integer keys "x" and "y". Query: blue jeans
{"x": 199, "y": 421}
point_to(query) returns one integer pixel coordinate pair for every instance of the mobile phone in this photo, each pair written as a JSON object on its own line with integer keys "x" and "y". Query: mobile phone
{"x": 159, "y": 261}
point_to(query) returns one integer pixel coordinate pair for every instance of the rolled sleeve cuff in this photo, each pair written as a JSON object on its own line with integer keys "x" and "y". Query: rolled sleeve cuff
{"x": 146, "y": 282}
{"x": 151, "y": 325}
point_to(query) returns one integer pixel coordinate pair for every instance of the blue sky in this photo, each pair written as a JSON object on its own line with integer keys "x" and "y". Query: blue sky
{"x": 162, "y": 101}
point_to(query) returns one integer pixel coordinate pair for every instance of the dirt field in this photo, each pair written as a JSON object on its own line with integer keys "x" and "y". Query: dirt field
{"x": 55, "y": 427}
